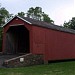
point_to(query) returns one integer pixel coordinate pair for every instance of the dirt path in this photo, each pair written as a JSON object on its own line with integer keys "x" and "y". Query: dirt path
{"x": 5, "y": 57}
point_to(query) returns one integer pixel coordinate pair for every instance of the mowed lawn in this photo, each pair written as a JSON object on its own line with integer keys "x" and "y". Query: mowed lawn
{"x": 60, "y": 68}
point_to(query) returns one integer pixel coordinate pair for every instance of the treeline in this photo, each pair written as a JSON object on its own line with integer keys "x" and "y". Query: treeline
{"x": 34, "y": 13}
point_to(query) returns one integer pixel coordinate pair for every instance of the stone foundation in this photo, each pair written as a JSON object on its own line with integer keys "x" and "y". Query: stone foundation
{"x": 24, "y": 60}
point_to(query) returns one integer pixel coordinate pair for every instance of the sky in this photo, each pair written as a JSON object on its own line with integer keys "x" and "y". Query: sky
{"x": 58, "y": 10}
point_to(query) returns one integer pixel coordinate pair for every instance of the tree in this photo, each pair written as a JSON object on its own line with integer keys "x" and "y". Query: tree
{"x": 21, "y": 14}
{"x": 47, "y": 19}
{"x": 36, "y": 13}
{"x": 4, "y": 15}
{"x": 30, "y": 12}
{"x": 70, "y": 24}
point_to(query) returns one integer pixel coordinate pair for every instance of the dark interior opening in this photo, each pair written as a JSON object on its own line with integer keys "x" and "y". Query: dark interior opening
{"x": 17, "y": 40}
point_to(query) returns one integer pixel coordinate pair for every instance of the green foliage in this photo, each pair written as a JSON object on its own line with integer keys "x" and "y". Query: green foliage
{"x": 36, "y": 13}
{"x": 70, "y": 24}
{"x": 21, "y": 14}
{"x": 4, "y": 15}
{"x": 47, "y": 19}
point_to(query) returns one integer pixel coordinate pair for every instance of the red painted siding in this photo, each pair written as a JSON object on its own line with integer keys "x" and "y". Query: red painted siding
{"x": 59, "y": 45}
{"x": 39, "y": 40}
{"x": 55, "y": 45}
{"x": 16, "y": 21}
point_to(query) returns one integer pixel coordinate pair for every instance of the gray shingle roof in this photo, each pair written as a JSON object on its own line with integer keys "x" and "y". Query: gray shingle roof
{"x": 49, "y": 25}
{"x": 44, "y": 25}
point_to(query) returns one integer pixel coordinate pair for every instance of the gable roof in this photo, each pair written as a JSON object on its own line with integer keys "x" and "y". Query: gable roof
{"x": 43, "y": 24}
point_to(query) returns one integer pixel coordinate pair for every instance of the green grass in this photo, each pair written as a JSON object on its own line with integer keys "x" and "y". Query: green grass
{"x": 61, "y": 68}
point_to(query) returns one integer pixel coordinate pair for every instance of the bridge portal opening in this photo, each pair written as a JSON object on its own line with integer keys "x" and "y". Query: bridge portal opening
{"x": 17, "y": 40}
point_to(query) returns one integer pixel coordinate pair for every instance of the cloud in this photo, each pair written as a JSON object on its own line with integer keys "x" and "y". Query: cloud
{"x": 74, "y": 7}
{"x": 58, "y": 10}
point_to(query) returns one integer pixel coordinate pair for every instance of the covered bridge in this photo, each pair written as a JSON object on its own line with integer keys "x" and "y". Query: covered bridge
{"x": 25, "y": 35}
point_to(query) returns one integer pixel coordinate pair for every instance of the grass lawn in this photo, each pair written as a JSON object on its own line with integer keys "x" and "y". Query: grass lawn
{"x": 60, "y": 68}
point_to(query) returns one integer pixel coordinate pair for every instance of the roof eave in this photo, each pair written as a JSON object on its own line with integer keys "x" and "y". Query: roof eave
{"x": 19, "y": 18}
{"x": 24, "y": 20}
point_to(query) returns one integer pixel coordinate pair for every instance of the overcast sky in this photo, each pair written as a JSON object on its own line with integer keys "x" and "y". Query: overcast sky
{"x": 58, "y": 10}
